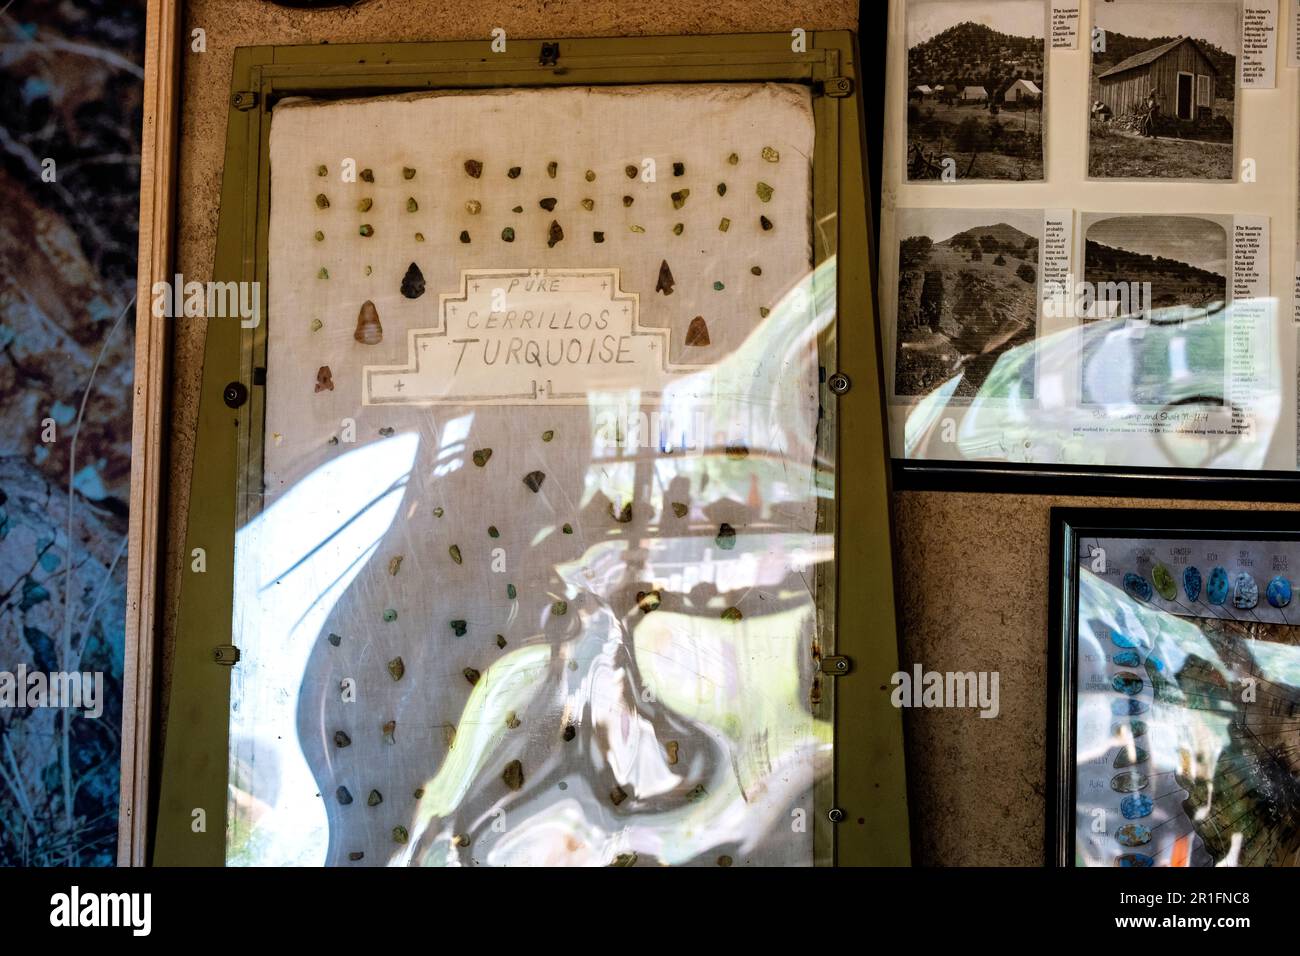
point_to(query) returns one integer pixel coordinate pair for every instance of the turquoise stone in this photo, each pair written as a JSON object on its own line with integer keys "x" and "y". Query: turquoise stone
{"x": 1135, "y": 859}
{"x": 1136, "y": 807}
{"x": 1127, "y": 683}
{"x": 1245, "y": 592}
{"x": 1192, "y": 582}
{"x": 1127, "y": 707}
{"x": 1155, "y": 663}
{"x": 1216, "y": 589}
{"x": 1279, "y": 592}
{"x": 1123, "y": 640}
{"x": 1138, "y": 586}
{"x": 1127, "y": 659}
{"x": 1133, "y": 834}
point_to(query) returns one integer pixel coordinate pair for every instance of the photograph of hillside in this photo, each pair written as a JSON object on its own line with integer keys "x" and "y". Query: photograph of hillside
{"x": 1184, "y": 258}
{"x": 967, "y": 294}
{"x": 1181, "y": 263}
{"x": 1163, "y": 90}
{"x": 975, "y": 90}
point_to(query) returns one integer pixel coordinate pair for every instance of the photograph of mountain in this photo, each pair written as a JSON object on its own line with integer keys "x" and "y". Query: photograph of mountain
{"x": 967, "y": 294}
{"x": 1163, "y": 94}
{"x": 1178, "y": 267}
{"x": 1182, "y": 257}
{"x": 975, "y": 90}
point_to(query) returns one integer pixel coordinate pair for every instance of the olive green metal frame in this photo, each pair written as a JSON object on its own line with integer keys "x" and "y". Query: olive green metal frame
{"x": 861, "y": 808}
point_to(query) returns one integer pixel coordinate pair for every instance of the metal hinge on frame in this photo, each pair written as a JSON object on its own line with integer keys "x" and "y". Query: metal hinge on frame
{"x": 836, "y": 666}
{"x": 838, "y": 86}
{"x": 227, "y": 655}
{"x": 244, "y": 100}
{"x": 550, "y": 54}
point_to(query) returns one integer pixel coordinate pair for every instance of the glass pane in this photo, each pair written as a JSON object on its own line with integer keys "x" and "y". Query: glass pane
{"x": 534, "y": 577}
{"x": 1188, "y": 695}
{"x": 1040, "y": 307}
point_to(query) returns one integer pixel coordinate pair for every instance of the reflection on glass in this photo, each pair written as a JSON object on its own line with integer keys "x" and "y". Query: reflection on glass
{"x": 639, "y": 685}
{"x": 536, "y": 576}
{"x": 1118, "y": 391}
{"x": 1188, "y": 708}
{"x": 1164, "y": 351}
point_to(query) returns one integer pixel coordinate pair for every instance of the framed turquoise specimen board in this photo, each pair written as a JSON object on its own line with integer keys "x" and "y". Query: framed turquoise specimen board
{"x": 1175, "y": 703}
{"x": 524, "y": 496}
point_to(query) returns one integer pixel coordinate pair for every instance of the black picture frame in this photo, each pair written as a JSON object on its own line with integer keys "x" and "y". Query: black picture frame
{"x": 1068, "y": 527}
{"x": 994, "y": 477}
{"x": 1002, "y": 477}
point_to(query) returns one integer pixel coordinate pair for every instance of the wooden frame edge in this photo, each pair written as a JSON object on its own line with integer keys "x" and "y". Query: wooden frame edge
{"x": 158, "y": 188}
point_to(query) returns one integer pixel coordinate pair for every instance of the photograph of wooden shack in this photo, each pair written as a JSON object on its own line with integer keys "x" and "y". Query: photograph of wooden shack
{"x": 1179, "y": 73}
{"x": 1163, "y": 96}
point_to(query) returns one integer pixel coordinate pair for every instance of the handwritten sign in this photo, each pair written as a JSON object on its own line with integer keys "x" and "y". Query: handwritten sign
{"x": 528, "y": 336}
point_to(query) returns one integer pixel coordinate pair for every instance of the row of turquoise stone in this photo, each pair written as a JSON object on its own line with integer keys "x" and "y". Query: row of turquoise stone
{"x": 1241, "y": 587}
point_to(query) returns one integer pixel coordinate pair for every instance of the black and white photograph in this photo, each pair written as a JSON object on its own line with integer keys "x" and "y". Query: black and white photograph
{"x": 1163, "y": 95}
{"x": 968, "y": 302}
{"x": 975, "y": 90}
{"x": 1170, "y": 274}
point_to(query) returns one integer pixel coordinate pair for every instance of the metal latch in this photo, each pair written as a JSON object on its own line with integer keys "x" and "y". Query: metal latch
{"x": 837, "y": 666}
{"x": 226, "y": 655}
{"x": 550, "y": 54}
{"x": 243, "y": 100}
{"x": 838, "y": 86}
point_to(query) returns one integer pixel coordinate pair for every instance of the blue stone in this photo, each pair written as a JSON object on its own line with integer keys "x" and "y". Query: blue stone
{"x": 1136, "y": 807}
{"x": 1127, "y": 707}
{"x": 1127, "y": 683}
{"x": 1245, "y": 592}
{"x": 1279, "y": 592}
{"x": 1123, "y": 640}
{"x": 1192, "y": 582}
{"x": 1138, "y": 586}
{"x": 1216, "y": 589}
{"x": 1127, "y": 659}
{"x": 1156, "y": 663}
{"x": 1135, "y": 859}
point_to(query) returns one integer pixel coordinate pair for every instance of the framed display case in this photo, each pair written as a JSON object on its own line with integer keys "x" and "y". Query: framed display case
{"x": 516, "y": 527}
{"x": 1086, "y": 255}
{"x": 1175, "y": 689}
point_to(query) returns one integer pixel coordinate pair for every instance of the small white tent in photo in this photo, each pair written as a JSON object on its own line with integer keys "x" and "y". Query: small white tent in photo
{"x": 922, "y": 90}
{"x": 971, "y": 94}
{"x": 1021, "y": 88}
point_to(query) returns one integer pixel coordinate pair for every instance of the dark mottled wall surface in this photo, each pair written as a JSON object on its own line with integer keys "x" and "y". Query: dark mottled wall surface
{"x": 71, "y": 83}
